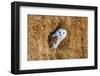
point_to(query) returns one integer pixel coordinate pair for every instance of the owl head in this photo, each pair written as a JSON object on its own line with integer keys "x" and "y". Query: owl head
{"x": 61, "y": 33}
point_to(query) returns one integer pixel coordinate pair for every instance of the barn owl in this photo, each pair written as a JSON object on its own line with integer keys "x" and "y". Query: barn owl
{"x": 57, "y": 37}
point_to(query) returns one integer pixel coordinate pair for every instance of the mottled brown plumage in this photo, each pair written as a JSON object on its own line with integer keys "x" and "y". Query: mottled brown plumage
{"x": 52, "y": 40}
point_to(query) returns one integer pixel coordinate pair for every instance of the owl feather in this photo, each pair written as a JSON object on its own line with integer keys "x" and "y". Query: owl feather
{"x": 52, "y": 40}
{"x": 56, "y": 38}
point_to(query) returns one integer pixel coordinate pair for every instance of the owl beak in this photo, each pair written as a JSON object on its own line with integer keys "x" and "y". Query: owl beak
{"x": 61, "y": 35}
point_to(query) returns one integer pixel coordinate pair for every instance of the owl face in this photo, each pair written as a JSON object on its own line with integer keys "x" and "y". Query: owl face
{"x": 61, "y": 33}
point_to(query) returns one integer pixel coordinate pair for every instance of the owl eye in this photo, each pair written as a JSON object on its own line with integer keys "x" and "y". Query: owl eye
{"x": 63, "y": 32}
{"x": 60, "y": 32}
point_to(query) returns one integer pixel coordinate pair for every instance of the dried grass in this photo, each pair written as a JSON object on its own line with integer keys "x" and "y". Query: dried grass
{"x": 74, "y": 45}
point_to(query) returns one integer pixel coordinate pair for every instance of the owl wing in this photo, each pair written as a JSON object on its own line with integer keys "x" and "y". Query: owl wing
{"x": 53, "y": 40}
